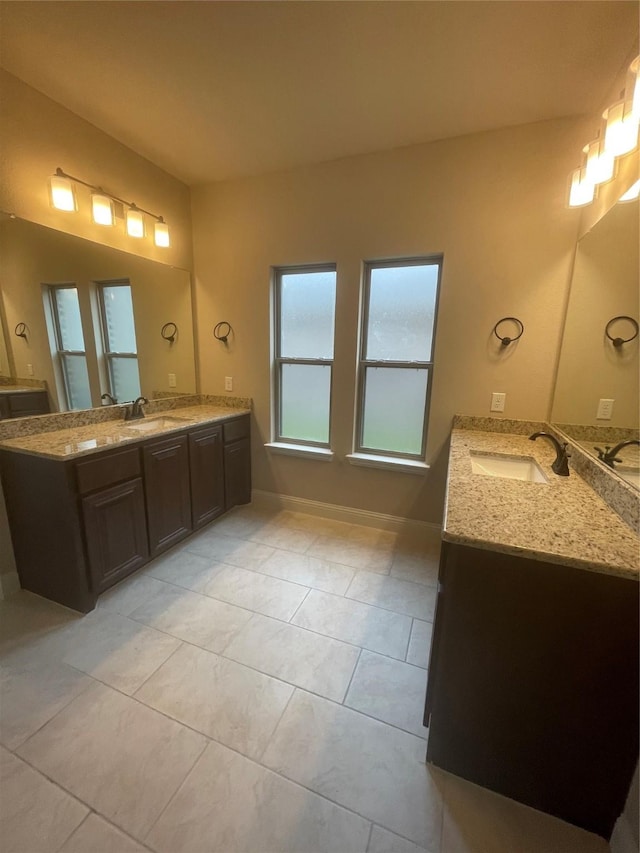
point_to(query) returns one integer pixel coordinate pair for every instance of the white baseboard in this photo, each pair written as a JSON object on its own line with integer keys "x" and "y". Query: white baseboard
{"x": 9, "y": 584}
{"x": 622, "y": 840}
{"x": 348, "y": 514}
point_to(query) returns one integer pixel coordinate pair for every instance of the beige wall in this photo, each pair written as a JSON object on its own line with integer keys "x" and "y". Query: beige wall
{"x": 37, "y": 135}
{"x": 493, "y": 203}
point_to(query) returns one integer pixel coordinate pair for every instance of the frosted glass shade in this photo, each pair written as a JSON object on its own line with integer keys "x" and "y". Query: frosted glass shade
{"x": 102, "y": 209}
{"x": 634, "y": 86}
{"x": 621, "y": 132}
{"x": 632, "y": 193}
{"x": 61, "y": 193}
{"x": 161, "y": 235}
{"x": 581, "y": 191}
{"x": 135, "y": 222}
{"x": 599, "y": 163}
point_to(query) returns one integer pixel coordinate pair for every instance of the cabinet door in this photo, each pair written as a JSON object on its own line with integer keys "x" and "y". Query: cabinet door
{"x": 166, "y": 479}
{"x": 116, "y": 532}
{"x": 237, "y": 473}
{"x": 28, "y": 403}
{"x": 207, "y": 475}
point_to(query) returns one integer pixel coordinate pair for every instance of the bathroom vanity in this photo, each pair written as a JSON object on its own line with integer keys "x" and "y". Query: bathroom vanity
{"x": 20, "y": 402}
{"x": 89, "y": 505}
{"x": 533, "y": 675}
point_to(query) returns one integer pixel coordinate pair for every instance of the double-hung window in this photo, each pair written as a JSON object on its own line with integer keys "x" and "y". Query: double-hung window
{"x": 399, "y": 308}
{"x": 305, "y": 300}
{"x": 119, "y": 339}
{"x": 69, "y": 341}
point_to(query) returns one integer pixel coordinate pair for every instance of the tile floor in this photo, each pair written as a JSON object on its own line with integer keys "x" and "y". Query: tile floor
{"x": 259, "y": 688}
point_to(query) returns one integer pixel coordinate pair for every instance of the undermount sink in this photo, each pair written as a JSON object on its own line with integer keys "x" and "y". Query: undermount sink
{"x": 511, "y": 467}
{"x": 631, "y": 475}
{"x": 146, "y": 424}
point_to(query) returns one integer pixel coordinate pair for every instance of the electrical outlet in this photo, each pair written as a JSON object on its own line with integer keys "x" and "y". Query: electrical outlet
{"x": 172, "y": 380}
{"x": 228, "y": 383}
{"x": 498, "y": 400}
{"x": 605, "y": 410}
{"x": 30, "y": 370}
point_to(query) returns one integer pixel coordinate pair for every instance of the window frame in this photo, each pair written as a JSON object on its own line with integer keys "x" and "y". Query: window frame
{"x": 279, "y": 360}
{"x": 62, "y": 353}
{"x": 107, "y": 352}
{"x": 364, "y": 363}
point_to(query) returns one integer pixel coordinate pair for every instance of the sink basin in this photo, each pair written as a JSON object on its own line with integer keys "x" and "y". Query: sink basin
{"x": 511, "y": 467}
{"x": 631, "y": 475}
{"x": 146, "y": 424}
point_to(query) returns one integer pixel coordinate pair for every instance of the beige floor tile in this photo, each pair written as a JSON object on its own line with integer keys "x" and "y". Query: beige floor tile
{"x": 350, "y": 552}
{"x": 196, "y": 618}
{"x": 242, "y": 521}
{"x": 376, "y": 688}
{"x": 418, "y": 563}
{"x": 288, "y": 538}
{"x": 129, "y": 593}
{"x": 221, "y": 698}
{"x": 374, "y": 769}
{"x": 28, "y": 621}
{"x": 121, "y": 758}
{"x": 36, "y": 816}
{"x": 229, "y": 549}
{"x": 240, "y": 807}
{"x": 420, "y": 643}
{"x": 308, "y": 571}
{"x": 479, "y": 821}
{"x": 326, "y": 527}
{"x": 32, "y": 693}
{"x": 257, "y": 592}
{"x": 95, "y": 835}
{"x": 316, "y": 663}
{"x": 401, "y": 596}
{"x": 183, "y": 568}
{"x": 116, "y": 650}
{"x": 353, "y": 622}
{"x": 383, "y": 841}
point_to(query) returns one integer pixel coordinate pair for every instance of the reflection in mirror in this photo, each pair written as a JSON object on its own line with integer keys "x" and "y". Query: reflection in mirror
{"x": 596, "y": 397}
{"x": 93, "y": 317}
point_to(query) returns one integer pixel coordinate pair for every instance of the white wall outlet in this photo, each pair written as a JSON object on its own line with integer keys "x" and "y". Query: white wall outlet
{"x": 30, "y": 369}
{"x": 605, "y": 410}
{"x": 172, "y": 380}
{"x": 228, "y": 383}
{"x": 498, "y": 400}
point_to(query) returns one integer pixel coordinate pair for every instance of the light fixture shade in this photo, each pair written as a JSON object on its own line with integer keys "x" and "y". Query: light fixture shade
{"x": 102, "y": 208}
{"x": 621, "y": 131}
{"x": 135, "y": 222}
{"x": 633, "y": 87}
{"x": 61, "y": 193}
{"x": 581, "y": 191}
{"x": 161, "y": 234}
{"x": 599, "y": 163}
{"x": 632, "y": 193}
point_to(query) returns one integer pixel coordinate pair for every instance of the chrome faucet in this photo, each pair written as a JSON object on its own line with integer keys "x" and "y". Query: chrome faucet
{"x": 561, "y": 464}
{"x": 134, "y": 412}
{"x": 111, "y": 401}
{"x": 609, "y": 456}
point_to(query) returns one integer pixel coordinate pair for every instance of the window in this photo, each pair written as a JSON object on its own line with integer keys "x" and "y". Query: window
{"x": 69, "y": 340}
{"x": 305, "y": 299}
{"x": 119, "y": 339}
{"x": 396, "y": 356}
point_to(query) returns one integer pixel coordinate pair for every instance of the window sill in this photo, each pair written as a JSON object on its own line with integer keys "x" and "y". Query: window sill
{"x": 390, "y": 463}
{"x": 302, "y": 450}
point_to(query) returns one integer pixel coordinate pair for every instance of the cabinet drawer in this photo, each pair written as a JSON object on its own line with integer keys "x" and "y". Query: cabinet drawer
{"x": 236, "y": 429}
{"x": 107, "y": 469}
{"x": 23, "y": 404}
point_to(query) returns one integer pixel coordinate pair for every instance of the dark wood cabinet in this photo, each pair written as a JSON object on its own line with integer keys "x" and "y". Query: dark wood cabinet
{"x": 533, "y": 683}
{"x": 23, "y": 404}
{"x": 116, "y": 532}
{"x": 206, "y": 465}
{"x": 167, "y": 492}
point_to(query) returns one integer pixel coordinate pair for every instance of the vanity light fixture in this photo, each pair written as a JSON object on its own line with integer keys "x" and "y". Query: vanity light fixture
{"x": 581, "y": 191}
{"x": 599, "y": 163}
{"x": 63, "y": 197}
{"x": 632, "y": 193}
{"x": 621, "y": 128}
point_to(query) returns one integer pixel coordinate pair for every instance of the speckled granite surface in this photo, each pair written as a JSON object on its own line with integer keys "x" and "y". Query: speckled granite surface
{"x": 82, "y": 439}
{"x": 563, "y": 521}
{"x": 29, "y": 383}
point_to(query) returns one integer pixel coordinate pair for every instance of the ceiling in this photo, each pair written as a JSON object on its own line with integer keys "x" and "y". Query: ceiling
{"x": 217, "y": 90}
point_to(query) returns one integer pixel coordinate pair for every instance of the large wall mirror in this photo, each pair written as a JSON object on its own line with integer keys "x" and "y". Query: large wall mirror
{"x": 92, "y": 318}
{"x": 605, "y": 285}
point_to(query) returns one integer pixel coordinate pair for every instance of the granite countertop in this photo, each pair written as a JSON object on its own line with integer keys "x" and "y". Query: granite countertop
{"x": 83, "y": 440}
{"x": 563, "y": 521}
{"x": 18, "y": 389}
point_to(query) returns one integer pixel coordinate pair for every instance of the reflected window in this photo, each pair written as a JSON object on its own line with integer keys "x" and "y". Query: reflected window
{"x": 305, "y": 299}
{"x": 396, "y": 356}
{"x": 119, "y": 340}
{"x": 69, "y": 338}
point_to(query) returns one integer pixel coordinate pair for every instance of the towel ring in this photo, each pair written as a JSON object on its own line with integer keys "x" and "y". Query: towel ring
{"x": 617, "y": 342}
{"x": 506, "y": 340}
{"x": 21, "y": 330}
{"x": 220, "y": 333}
{"x": 169, "y": 332}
